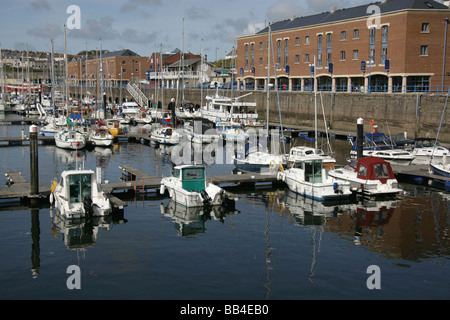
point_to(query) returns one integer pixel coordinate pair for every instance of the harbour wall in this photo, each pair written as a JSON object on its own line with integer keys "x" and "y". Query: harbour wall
{"x": 417, "y": 114}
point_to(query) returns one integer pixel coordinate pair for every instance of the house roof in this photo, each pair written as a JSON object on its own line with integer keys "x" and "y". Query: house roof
{"x": 385, "y": 6}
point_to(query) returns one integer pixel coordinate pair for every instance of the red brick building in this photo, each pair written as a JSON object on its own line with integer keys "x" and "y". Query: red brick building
{"x": 118, "y": 66}
{"x": 393, "y": 45}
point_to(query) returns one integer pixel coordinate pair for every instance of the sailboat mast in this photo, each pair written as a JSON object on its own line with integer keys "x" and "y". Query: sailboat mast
{"x": 52, "y": 93}
{"x": 315, "y": 102}
{"x": 1, "y": 75}
{"x": 268, "y": 78}
{"x": 66, "y": 88}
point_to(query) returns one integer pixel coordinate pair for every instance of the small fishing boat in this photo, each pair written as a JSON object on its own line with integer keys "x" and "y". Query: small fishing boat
{"x": 70, "y": 139}
{"x": 309, "y": 178}
{"x": 101, "y": 137}
{"x": 78, "y": 195}
{"x": 188, "y": 187}
{"x": 165, "y": 135}
{"x": 370, "y": 176}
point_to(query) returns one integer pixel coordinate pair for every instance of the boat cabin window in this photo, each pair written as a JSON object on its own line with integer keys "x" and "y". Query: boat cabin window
{"x": 381, "y": 171}
{"x": 176, "y": 173}
{"x": 313, "y": 171}
{"x": 362, "y": 170}
{"x": 193, "y": 179}
{"x": 79, "y": 187}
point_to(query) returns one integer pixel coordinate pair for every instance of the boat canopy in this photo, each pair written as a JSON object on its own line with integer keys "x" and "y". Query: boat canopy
{"x": 375, "y": 141}
{"x": 374, "y": 168}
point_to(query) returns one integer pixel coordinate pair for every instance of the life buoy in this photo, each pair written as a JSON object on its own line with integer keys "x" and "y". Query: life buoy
{"x": 272, "y": 165}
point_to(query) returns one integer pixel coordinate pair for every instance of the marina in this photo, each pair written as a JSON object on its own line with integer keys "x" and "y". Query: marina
{"x": 270, "y": 231}
{"x": 306, "y": 163}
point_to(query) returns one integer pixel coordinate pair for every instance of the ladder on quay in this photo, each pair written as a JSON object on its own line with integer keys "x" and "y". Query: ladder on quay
{"x": 138, "y": 95}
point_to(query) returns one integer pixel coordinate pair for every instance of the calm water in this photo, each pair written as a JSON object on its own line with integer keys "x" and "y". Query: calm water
{"x": 274, "y": 246}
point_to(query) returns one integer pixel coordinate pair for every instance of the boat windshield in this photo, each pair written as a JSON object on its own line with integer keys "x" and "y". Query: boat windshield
{"x": 79, "y": 187}
{"x": 313, "y": 171}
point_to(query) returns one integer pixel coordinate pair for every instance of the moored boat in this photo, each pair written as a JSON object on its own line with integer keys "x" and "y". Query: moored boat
{"x": 78, "y": 195}
{"x": 370, "y": 176}
{"x": 188, "y": 187}
{"x": 309, "y": 178}
{"x": 70, "y": 139}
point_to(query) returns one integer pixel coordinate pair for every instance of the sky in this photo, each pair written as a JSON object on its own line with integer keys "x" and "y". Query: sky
{"x": 146, "y": 26}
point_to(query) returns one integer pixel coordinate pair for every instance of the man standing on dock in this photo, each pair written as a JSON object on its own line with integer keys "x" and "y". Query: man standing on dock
{"x": 172, "y": 108}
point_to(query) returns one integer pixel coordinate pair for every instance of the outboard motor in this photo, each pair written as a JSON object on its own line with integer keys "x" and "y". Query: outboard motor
{"x": 206, "y": 199}
{"x": 87, "y": 205}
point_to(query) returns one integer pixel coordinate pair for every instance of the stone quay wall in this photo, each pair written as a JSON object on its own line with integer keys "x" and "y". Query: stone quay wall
{"x": 417, "y": 114}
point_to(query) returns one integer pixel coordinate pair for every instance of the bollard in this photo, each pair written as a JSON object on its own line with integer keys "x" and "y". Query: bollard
{"x": 34, "y": 169}
{"x": 360, "y": 138}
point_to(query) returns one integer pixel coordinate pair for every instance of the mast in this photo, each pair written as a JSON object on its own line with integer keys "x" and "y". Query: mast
{"x": 201, "y": 76}
{"x": 102, "y": 105}
{"x": 268, "y": 77}
{"x": 52, "y": 93}
{"x": 315, "y": 102}
{"x": 66, "y": 88}
{"x": 1, "y": 75}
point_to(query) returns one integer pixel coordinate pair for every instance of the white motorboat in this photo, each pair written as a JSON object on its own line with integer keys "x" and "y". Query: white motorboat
{"x": 130, "y": 109}
{"x": 302, "y": 152}
{"x": 225, "y": 108}
{"x": 259, "y": 161}
{"x": 70, "y": 139}
{"x": 78, "y": 195}
{"x": 188, "y": 111}
{"x": 101, "y": 137}
{"x": 370, "y": 176}
{"x": 199, "y": 131}
{"x": 427, "y": 149}
{"x": 165, "y": 135}
{"x": 310, "y": 179}
{"x": 188, "y": 187}
{"x": 377, "y": 144}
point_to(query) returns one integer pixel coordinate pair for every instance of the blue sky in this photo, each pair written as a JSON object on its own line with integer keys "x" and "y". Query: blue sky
{"x": 143, "y": 25}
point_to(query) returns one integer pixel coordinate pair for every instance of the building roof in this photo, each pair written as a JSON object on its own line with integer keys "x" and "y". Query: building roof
{"x": 335, "y": 15}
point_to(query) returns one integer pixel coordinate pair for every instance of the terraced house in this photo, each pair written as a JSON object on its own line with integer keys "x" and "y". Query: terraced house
{"x": 390, "y": 46}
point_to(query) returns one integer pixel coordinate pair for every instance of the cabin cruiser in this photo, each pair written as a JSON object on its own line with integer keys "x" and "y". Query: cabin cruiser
{"x": 78, "y": 195}
{"x": 309, "y": 178}
{"x": 426, "y": 149}
{"x": 370, "y": 176}
{"x": 377, "y": 144}
{"x": 165, "y": 135}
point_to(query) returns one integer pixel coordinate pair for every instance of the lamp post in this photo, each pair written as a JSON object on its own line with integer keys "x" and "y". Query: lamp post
{"x": 370, "y": 71}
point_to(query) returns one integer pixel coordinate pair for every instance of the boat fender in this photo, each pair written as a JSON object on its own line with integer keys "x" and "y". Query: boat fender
{"x": 162, "y": 189}
{"x": 51, "y": 198}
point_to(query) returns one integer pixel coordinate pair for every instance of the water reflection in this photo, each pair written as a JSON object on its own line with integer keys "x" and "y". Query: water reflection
{"x": 80, "y": 234}
{"x": 189, "y": 222}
